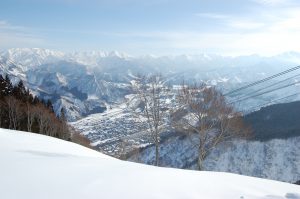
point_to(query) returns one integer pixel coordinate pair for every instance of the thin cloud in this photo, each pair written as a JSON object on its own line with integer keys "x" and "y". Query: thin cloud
{"x": 213, "y": 15}
{"x": 277, "y": 33}
{"x": 272, "y": 2}
{"x": 236, "y": 22}
{"x": 105, "y": 2}
{"x": 246, "y": 25}
{"x": 17, "y": 36}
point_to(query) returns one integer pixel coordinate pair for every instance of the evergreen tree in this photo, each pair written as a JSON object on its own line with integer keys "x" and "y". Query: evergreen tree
{"x": 19, "y": 91}
{"x": 63, "y": 115}
{"x": 2, "y": 86}
{"x": 8, "y": 87}
{"x": 50, "y": 106}
{"x": 20, "y": 110}
{"x": 29, "y": 97}
{"x": 36, "y": 100}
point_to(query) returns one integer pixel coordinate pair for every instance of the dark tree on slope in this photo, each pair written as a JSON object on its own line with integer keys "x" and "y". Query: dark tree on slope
{"x": 2, "y": 104}
{"x": 19, "y": 91}
{"x": 50, "y": 106}
{"x": 8, "y": 86}
{"x": 64, "y": 125}
{"x": 2, "y": 86}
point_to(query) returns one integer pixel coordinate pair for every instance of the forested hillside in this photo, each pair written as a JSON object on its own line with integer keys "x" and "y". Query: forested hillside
{"x": 20, "y": 110}
{"x": 275, "y": 121}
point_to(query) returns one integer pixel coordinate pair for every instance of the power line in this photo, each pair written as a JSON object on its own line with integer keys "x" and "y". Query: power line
{"x": 263, "y": 80}
{"x": 262, "y": 105}
{"x": 274, "y": 84}
{"x": 269, "y": 91}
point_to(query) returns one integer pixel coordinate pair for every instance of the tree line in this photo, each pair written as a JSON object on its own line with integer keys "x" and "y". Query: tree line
{"x": 20, "y": 110}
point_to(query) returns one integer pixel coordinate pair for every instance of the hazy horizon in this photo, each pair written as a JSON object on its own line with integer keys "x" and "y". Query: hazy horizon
{"x": 126, "y": 54}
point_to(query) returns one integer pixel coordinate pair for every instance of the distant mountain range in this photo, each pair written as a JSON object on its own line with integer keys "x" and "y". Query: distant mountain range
{"x": 86, "y": 82}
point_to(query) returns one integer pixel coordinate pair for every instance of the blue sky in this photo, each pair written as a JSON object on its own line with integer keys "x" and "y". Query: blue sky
{"x": 159, "y": 27}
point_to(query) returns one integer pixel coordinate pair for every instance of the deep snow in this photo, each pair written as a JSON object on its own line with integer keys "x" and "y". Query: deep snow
{"x": 36, "y": 166}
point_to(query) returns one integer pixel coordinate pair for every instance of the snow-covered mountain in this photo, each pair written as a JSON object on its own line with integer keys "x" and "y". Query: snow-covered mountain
{"x": 30, "y": 57}
{"x": 86, "y": 82}
{"x": 36, "y": 166}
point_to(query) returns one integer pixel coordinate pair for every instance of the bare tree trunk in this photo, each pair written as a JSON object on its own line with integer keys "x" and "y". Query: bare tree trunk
{"x": 201, "y": 158}
{"x": 199, "y": 163}
{"x": 30, "y": 117}
{"x": 150, "y": 91}
{"x": 156, "y": 149}
{"x": 41, "y": 118}
{"x": 14, "y": 112}
{"x": 1, "y": 113}
{"x": 10, "y": 112}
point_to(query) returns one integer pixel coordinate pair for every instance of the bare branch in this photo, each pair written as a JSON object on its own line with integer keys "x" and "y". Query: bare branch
{"x": 203, "y": 109}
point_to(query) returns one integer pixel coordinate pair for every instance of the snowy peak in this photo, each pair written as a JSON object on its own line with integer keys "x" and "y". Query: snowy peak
{"x": 30, "y": 57}
{"x": 37, "y": 56}
{"x": 93, "y": 58}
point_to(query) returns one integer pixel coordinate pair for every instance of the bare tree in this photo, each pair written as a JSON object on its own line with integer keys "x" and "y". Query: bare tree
{"x": 149, "y": 107}
{"x": 42, "y": 118}
{"x": 14, "y": 107}
{"x": 203, "y": 113}
{"x": 2, "y": 113}
{"x": 30, "y": 116}
{"x": 64, "y": 130}
{"x": 51, "y": 125}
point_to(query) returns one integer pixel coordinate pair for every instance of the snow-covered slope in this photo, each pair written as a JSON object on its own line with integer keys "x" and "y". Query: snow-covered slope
{"x": 35, "y": 166}
{"x": 276, "y": 159}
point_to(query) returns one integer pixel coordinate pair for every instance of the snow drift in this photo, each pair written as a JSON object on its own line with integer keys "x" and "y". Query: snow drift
{"x": 35, "y": 166}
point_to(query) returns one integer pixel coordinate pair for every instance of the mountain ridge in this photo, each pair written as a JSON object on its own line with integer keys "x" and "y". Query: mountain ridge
{"x": 105, "y": 77}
